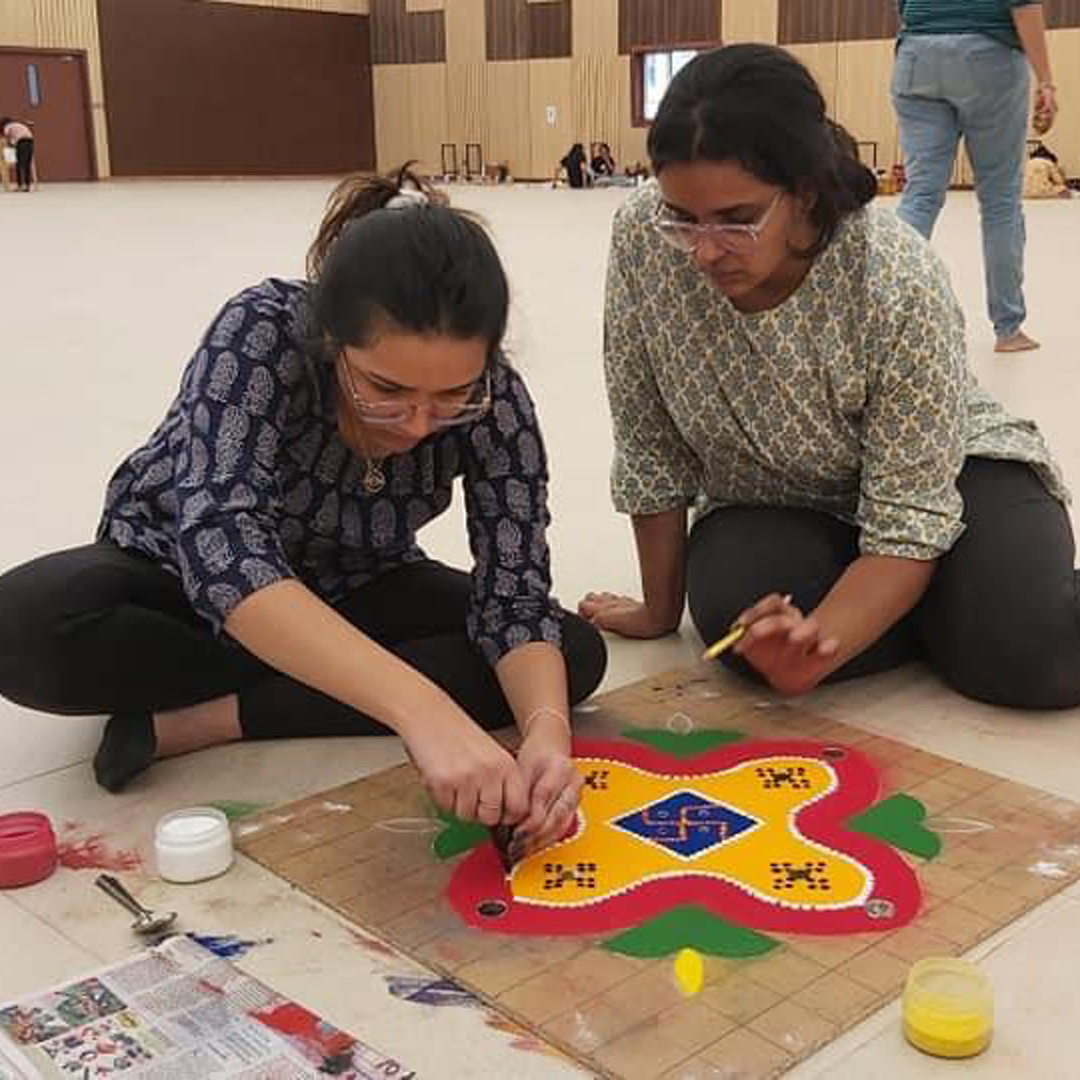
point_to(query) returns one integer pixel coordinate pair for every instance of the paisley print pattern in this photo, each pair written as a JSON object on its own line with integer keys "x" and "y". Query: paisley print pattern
{"x": 247, "y": 482}
{"x": 853, "y": 397}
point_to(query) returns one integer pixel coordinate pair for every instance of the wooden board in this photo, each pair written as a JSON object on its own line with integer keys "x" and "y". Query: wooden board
{"x": 365, "y": 849}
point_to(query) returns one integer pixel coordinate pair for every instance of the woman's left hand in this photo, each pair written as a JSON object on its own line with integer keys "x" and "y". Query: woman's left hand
{"x": 789, "y": 649}
{"x": 553, "y": 782}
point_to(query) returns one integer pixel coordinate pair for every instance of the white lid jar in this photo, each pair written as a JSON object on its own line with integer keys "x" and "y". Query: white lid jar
{"x": 193, "y": 844}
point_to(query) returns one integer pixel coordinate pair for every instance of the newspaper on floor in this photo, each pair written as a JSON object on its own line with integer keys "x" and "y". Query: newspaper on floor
{"x": 178, "y": 1012}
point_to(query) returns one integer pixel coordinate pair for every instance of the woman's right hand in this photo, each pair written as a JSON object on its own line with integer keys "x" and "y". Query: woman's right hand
{"x": 467, "y": 772}
{"x": 622, "y": 615}
{"x": 1046, "y": 108}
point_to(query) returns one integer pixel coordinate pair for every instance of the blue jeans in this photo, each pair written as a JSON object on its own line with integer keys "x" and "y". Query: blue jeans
{"x": 950, "y": 85}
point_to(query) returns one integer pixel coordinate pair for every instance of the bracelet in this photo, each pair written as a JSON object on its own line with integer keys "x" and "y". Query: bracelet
{"x": 526, "y": 727}
{"x": 1047, "y": 86}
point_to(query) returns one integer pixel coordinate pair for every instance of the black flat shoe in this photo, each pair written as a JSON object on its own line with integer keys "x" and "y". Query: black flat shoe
{"x": 127, "y": 749}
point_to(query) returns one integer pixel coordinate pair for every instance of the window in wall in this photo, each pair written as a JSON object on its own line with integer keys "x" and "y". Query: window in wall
{"x": 653, "y": 72}
{"x": 33, "y": 85}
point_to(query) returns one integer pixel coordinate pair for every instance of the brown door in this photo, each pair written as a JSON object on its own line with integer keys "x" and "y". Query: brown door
{"x": 49, "y": 91}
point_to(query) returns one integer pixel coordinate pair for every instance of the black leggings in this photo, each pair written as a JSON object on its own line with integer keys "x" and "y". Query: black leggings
{"x": 1000, "y": 621}
{"x": 24, "y": 160}
{"x": 100, "y": 630}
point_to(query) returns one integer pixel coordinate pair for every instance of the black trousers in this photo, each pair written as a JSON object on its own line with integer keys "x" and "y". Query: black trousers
{"x": 100, "y": 630}
{"x": 24, "y": 160}
{"x": 1000, "y": 621}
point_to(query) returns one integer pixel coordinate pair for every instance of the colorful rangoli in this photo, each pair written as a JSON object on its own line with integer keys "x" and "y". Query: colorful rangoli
{"x": 759, "y": 834}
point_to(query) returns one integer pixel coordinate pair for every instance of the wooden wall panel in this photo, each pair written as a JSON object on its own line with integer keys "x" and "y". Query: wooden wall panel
{"x": 806, "y": 21}
{"x": 644, "y": 23}
{"x": 1062, "y": 14}
{"x": 506, "y": 27}
{"x": 549, "y": 29}
{"x": 528, "y": 29}
{"x": 550, "y": 84}
{"x": 399, "y": 36}
{"x": 596, "y": 27}
{"x": 18, "y": 25}
{"x": 597, "y": 93}
{"x": 219, "y": 89}
{"x": 465, "y": 31}
{"x": 1064, "y": 138}
{"x": 750, "y": 20}
{"x": 466, "y": 105}
{"x": 411, "y": 115}
{"x": 332, "y": 7}
{"x": 506, "y": 128}
{"x": 863, "y": 101}
{"x": 823, "y": 61}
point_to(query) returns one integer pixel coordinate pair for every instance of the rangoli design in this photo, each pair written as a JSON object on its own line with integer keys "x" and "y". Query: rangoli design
{"x": 755, "y": 833}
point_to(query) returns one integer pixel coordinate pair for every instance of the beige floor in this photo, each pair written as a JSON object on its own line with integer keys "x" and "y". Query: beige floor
{"x": 104, "y": 291}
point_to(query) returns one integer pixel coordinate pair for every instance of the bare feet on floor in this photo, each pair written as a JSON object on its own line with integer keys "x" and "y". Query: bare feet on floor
{"x": 1018, "y": 342}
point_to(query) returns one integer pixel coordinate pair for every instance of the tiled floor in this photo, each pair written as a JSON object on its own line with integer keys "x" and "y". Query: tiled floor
{"x": 105, "y": 292}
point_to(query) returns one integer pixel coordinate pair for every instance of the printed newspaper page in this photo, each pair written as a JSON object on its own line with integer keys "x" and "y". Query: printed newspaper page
{"x": 178, "y": 1012}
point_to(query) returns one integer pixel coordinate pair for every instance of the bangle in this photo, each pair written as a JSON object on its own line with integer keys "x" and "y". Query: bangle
{"x": 544, "y": 710}
{"x": 1047, "y": 86}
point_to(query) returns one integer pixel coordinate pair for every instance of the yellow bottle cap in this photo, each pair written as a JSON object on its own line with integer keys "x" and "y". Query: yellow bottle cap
{"x": 948, "y": 1008}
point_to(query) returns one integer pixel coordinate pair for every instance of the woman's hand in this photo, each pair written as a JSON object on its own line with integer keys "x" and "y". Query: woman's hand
{"x": 622, "y": 615}
{"x": 789, "y": 649}
{"x": 552, "y": 780}
{"x": 467, "y": 772}
{"x": 1046, "y": 108}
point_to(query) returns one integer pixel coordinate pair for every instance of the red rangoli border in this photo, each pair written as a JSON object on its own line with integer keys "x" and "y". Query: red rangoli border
{"x": 480, "y": 878}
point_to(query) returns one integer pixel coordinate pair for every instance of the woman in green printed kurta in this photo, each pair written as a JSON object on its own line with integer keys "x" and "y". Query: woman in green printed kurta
{"x": 790, "y": 361}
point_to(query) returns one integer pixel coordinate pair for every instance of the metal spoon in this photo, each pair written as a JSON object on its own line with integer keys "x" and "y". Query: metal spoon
{"x": 146, "y": 921}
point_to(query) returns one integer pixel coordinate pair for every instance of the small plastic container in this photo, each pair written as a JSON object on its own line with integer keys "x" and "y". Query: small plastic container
{"x": 27, "y": 849}
{"x": 193, "y": 845}
{"x": 948, "y": 1008}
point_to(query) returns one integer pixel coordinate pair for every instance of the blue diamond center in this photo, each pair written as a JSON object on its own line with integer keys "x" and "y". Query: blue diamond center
{"x": 686, "y": 823}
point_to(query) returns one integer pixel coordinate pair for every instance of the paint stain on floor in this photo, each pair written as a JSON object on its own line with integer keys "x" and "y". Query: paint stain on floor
{"x": 424, "y": 990}
{"x": 227, "y": 946}
{"x": 94, "y": 853}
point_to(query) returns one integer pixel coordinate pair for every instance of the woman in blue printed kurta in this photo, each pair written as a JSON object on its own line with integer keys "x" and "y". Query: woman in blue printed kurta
{"x": 256, "y": 572}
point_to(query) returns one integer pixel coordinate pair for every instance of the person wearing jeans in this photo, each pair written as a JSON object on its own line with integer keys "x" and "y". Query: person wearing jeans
{"x": 962, "y": 70}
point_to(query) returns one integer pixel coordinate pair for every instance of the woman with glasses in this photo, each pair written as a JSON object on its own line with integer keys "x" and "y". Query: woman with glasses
{"x": 791, "y": 361}
{"x": 256, "y": 572}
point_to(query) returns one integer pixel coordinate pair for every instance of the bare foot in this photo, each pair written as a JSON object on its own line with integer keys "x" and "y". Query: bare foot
{"x": 1018, "y": 342}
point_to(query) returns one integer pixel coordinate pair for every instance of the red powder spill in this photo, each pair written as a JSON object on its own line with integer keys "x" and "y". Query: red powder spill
{"x": 90, "y": 853}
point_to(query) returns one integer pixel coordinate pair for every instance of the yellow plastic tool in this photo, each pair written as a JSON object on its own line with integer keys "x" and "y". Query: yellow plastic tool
{"x": 948, "y": 1008}
{"x": 689, "y": 971}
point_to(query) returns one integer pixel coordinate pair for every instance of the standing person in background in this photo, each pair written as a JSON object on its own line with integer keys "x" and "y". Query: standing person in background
{"x": 961, "y": 71}
{"x": 19, "y": 135}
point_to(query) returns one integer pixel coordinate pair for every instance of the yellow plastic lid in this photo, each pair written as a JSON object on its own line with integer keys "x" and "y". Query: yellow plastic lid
{"x": 948, "y": 1008}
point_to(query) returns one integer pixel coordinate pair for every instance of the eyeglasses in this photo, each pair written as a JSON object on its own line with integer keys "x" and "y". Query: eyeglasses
{"x": 686, "y": 235}
{"x": 477, "y": 401}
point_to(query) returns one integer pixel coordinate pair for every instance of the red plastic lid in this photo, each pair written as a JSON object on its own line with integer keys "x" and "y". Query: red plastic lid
{"x": 27, "y": 849}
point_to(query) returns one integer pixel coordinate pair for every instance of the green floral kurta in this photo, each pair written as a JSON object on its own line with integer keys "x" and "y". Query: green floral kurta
{"x": 853, "y": 397}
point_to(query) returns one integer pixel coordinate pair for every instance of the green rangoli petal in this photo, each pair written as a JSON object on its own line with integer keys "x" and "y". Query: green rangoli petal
{"x": 690, "y": 928}
{"x": 680, "y": 745}
{"x": 899, "y": 822}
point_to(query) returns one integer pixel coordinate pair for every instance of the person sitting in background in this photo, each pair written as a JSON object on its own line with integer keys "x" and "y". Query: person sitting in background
{"x": 603, "y": 162}
{"x": 1043, "y": 175}
{"x": 576, "y": 166}
{"x": 18, "y": 135}
{"x": 256, "y": 572}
